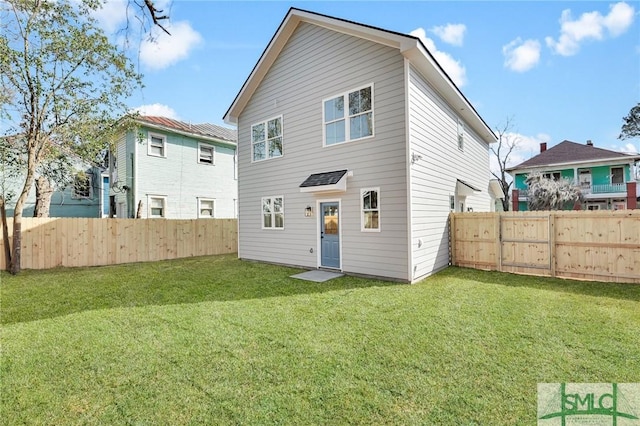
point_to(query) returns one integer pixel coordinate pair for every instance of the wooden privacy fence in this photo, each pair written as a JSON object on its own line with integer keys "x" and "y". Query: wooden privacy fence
{"x": 51, "y": 242}
{"x": 591, "y": 245}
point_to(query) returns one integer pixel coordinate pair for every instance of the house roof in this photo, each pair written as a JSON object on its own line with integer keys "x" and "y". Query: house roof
{"x": 567, "y": 152}
{"x": 411, "y": 47}
{"x": 203, "y": 129}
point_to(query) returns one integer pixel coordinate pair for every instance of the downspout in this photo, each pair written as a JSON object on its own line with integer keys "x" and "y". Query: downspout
{"x": 132, "y": 193}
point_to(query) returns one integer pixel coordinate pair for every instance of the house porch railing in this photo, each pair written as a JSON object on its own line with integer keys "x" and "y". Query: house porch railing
{"x": 610, "y": 188}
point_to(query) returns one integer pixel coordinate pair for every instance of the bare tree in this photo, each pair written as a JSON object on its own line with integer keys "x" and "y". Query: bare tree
{"x": 502, "y": 150}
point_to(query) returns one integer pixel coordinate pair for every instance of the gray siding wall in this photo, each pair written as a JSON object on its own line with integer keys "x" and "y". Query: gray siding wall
{"x": 433, "y": 136}
{"x": 317, "y": 64}
{"x": 182, "y": 179}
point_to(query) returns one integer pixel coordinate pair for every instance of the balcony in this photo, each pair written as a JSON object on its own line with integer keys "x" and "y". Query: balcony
{"x": 611, "y": 188}
{"x": 604, "y": 189}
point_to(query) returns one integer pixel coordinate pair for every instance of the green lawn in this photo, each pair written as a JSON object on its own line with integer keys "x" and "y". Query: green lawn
{"x": 216, "y": 340}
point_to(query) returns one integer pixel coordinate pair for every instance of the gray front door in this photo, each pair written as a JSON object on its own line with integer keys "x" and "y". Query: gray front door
{"x": 330, "y": 235}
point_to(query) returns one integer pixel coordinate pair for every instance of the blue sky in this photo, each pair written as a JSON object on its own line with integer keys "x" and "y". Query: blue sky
{"x": 560, "y": 70}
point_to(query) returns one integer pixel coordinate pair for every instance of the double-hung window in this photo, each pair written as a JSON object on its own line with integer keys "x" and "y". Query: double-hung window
{"x": 205, "y": 208}
{"x": 552, "y": 175}
{"x": 157, "y": 207}
{"x": 460, "y": 135}
{"x": 617, "y": 175}
{"x": 370, "y": 199}
{"x": 349, "y": 116}
{"x": 266, "y": 139}
{"x": 157, "y": 145}
{"x": 206, "y": 154}
{"x": 273, "y": 212}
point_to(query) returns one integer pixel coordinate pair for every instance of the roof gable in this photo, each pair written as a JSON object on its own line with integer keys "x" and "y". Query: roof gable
{"x": 206, "y": 130}
{"x": 567, "y": 152}
{"x": 410, "y": 46}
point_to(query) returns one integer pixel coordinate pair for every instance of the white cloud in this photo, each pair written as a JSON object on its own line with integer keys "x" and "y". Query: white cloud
{"x": 630, "y": 148}
{"x": 165, "y": 50}
{"x": 590, "y": 26}
{"x": 521, "y": 56}
{"x": 450, "y": 33}
{"x": 453, "y": 68}
{"x": 160, "y": 110}
{"x": 112, "y": 16}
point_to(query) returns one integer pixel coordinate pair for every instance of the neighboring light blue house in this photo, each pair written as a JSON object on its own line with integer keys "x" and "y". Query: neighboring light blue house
{"x": 167, "y": 168}
{"x": 605, "y": 177}
{"x": 87, "y": 196}
{"x": 354, "y": 146}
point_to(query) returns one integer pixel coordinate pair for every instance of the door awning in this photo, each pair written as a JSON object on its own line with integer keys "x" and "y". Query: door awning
{"x": 326, "y": 182}
{"x": 495, "y": 189}
{"x": 465, "y": 189}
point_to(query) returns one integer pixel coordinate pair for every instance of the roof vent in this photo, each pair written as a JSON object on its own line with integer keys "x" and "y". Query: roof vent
{"x": 589, "y": 142}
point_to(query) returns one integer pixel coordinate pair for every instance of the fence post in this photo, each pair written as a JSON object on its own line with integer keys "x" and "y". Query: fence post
{"x": 499, "y": 241}
{"x": 452, "y": 239}
{"x": 552, "y": 243}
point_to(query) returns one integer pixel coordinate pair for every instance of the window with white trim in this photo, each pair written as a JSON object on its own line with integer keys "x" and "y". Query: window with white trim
{"x": 157, "y": 145}
{"x": 273, "y": 212}
{"x": 157, "y": 207}
{"x": 82, "y": 185}
{"x": 206, "y": 208}
{"x": 206, "y": 154}
{"x": 552, "y": 175}
{"x": 370, "y": 203}
{"x": 617, "y": 175}
{"x": 349, "y": 116}
{"x": 266, "y": 139}
{"x": 460, "y": 135}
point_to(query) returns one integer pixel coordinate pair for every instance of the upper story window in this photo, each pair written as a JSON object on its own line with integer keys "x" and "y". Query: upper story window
{"x": 460, "y": 135}
{"x": 157, "y": 145}
{"x": 552, "y": 175}
{"x": 617, "y": 175}
{"x": 157, "y": 207}
{"x": 82, "y": 185}
{"x": 266, "y": 139}
{"x": 370, "y": 209}
{"x": 348, "y": 116}
{"x": 273, "y": 212}
{"x": 206, "y": 154}
{"x": 205, "y": 208}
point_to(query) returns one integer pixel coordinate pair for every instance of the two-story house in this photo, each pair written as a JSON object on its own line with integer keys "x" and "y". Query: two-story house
{"x": 606, "y": 178}
{"x": 354, "y": 147}
{"x": 165, "y": 168}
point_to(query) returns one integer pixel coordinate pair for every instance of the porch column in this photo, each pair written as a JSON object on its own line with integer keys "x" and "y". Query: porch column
{"x": 515, "y": 198}
{"x": 632, "y": 201}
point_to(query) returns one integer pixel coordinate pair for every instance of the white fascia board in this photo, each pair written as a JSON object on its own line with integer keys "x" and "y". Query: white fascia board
{"x": 261, "y": 68}
{"x": 616, "y": 161}
{"x": 431, "y": 70}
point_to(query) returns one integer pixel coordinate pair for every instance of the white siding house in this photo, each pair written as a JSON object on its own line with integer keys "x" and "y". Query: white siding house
{"x": 170, "y": 169}
{"x": 354, "y": 146}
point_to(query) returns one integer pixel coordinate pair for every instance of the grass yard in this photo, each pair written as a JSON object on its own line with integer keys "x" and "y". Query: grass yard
{"x": 216, "y": 340}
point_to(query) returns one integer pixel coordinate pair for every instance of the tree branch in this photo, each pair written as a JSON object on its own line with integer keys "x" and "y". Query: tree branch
{"x": 155, "y": 17}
